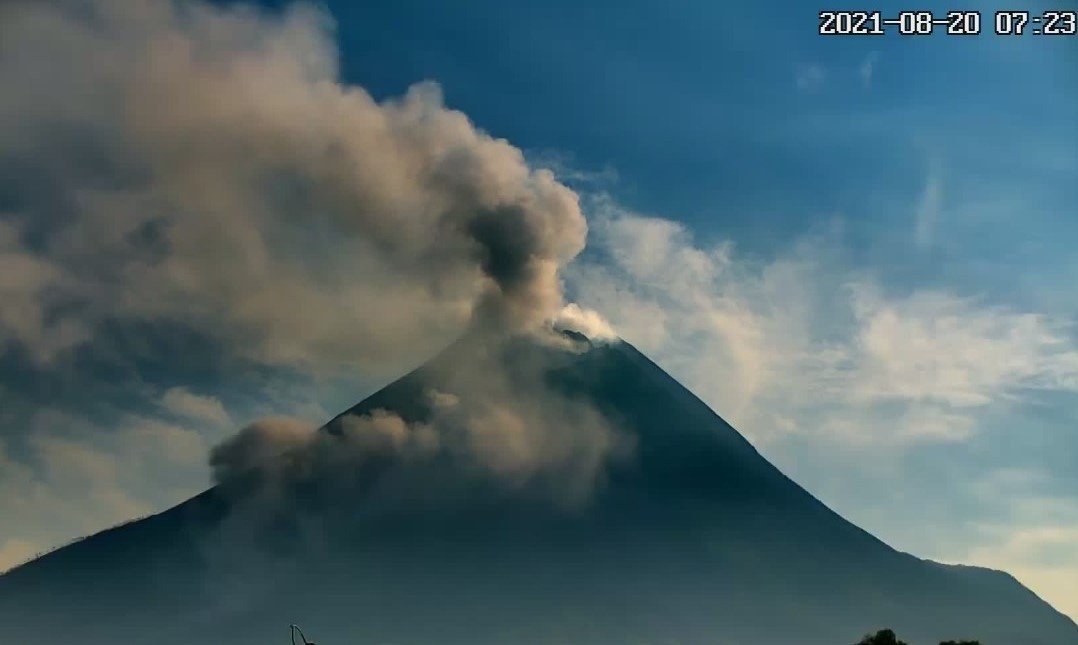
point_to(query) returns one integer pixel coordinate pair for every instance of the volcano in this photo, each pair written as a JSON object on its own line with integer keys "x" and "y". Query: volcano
{"x": 688, "y": 535}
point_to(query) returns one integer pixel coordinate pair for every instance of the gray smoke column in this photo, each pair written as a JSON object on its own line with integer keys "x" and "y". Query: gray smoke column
{"x": 261, "y": 442}
{"x": 177, "y": 163}
{"x": 205, "y": 166}
{"x": 495, "y": 424}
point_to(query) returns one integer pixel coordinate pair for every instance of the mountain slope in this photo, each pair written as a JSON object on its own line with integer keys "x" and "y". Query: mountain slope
{"x": 692, "y": 537}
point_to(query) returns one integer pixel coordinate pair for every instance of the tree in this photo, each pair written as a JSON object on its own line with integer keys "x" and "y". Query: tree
{"x": 882, "y": 637}
{"x": 887, "y": 637}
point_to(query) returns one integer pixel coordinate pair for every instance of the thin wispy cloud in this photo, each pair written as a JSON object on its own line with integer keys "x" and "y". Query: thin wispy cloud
{"x": 809, "y": 76}
{"x": 929, "y": 205}
{"x": 807, "y": 350}
{"x": 866, "y": 71}
{"x": 804, "y": 331}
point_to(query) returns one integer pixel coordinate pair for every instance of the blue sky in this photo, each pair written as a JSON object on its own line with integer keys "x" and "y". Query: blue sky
{"x": 858, "y": 250}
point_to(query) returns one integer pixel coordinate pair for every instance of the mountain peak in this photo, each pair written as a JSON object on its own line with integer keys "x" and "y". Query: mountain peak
{"x": 685, "y": 533}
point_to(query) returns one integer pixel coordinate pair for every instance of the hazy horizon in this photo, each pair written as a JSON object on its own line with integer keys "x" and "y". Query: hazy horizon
{"x": 856, "y": 250}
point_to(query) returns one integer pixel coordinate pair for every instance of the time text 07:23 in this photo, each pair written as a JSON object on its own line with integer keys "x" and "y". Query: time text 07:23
{"x": 954, "y": 23}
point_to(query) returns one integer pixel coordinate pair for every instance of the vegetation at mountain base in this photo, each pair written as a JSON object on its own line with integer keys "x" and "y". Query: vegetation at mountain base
{"x": 888, "y": 637}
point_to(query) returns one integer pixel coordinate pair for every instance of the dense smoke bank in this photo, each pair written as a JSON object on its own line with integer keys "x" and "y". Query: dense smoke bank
{"x": 182, "y": 163}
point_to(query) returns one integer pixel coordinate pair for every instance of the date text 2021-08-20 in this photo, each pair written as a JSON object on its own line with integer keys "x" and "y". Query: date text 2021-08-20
{"x": 952, "y": 23}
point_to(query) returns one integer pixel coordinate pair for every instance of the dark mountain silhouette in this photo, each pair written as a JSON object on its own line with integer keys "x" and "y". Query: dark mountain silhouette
{"x": 692, "y": 537}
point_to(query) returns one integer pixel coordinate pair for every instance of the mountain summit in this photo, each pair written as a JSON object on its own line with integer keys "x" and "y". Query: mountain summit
{"x": 520, "y": 491}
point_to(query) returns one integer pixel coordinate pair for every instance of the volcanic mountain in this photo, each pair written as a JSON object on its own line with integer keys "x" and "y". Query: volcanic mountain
{"x": 683, "y": 534}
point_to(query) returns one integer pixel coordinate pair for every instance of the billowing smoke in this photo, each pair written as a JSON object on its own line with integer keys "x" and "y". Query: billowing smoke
{"x": 172, "y": 161}
{"x": 205, "y": 169}
{"x": 589, "y": 322}
{"x": 495, "y": 423}
{"x": 261, "y": 442}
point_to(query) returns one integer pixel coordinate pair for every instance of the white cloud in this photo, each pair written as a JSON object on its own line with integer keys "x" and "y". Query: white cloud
{"x": 74, "y": 478}
{"x": 803, "y": 337}
{"x": 1036, "y": 543}
{"x": 933, "y": 346}
{"x": 852, "y": 387}
{"x": 573, "y": 317}
{"x": 25, "y": 280}
{"x": 14, "y": 552}
{"x": 208, "y": 409}
{"x": 1053, "y": 583}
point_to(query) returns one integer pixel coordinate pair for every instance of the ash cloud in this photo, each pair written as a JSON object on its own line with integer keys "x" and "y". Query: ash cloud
{"x": 204, "y": 170}
{"x": 256, "y": 444}
{"x": 493, "y": 421}
{"x": 181, "y": 162}
{"x": 484, "y": 434}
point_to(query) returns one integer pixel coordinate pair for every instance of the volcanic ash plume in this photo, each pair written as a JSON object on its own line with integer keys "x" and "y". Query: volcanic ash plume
{"x": 182, "y": 163}
{"x": 205, "y": 169}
